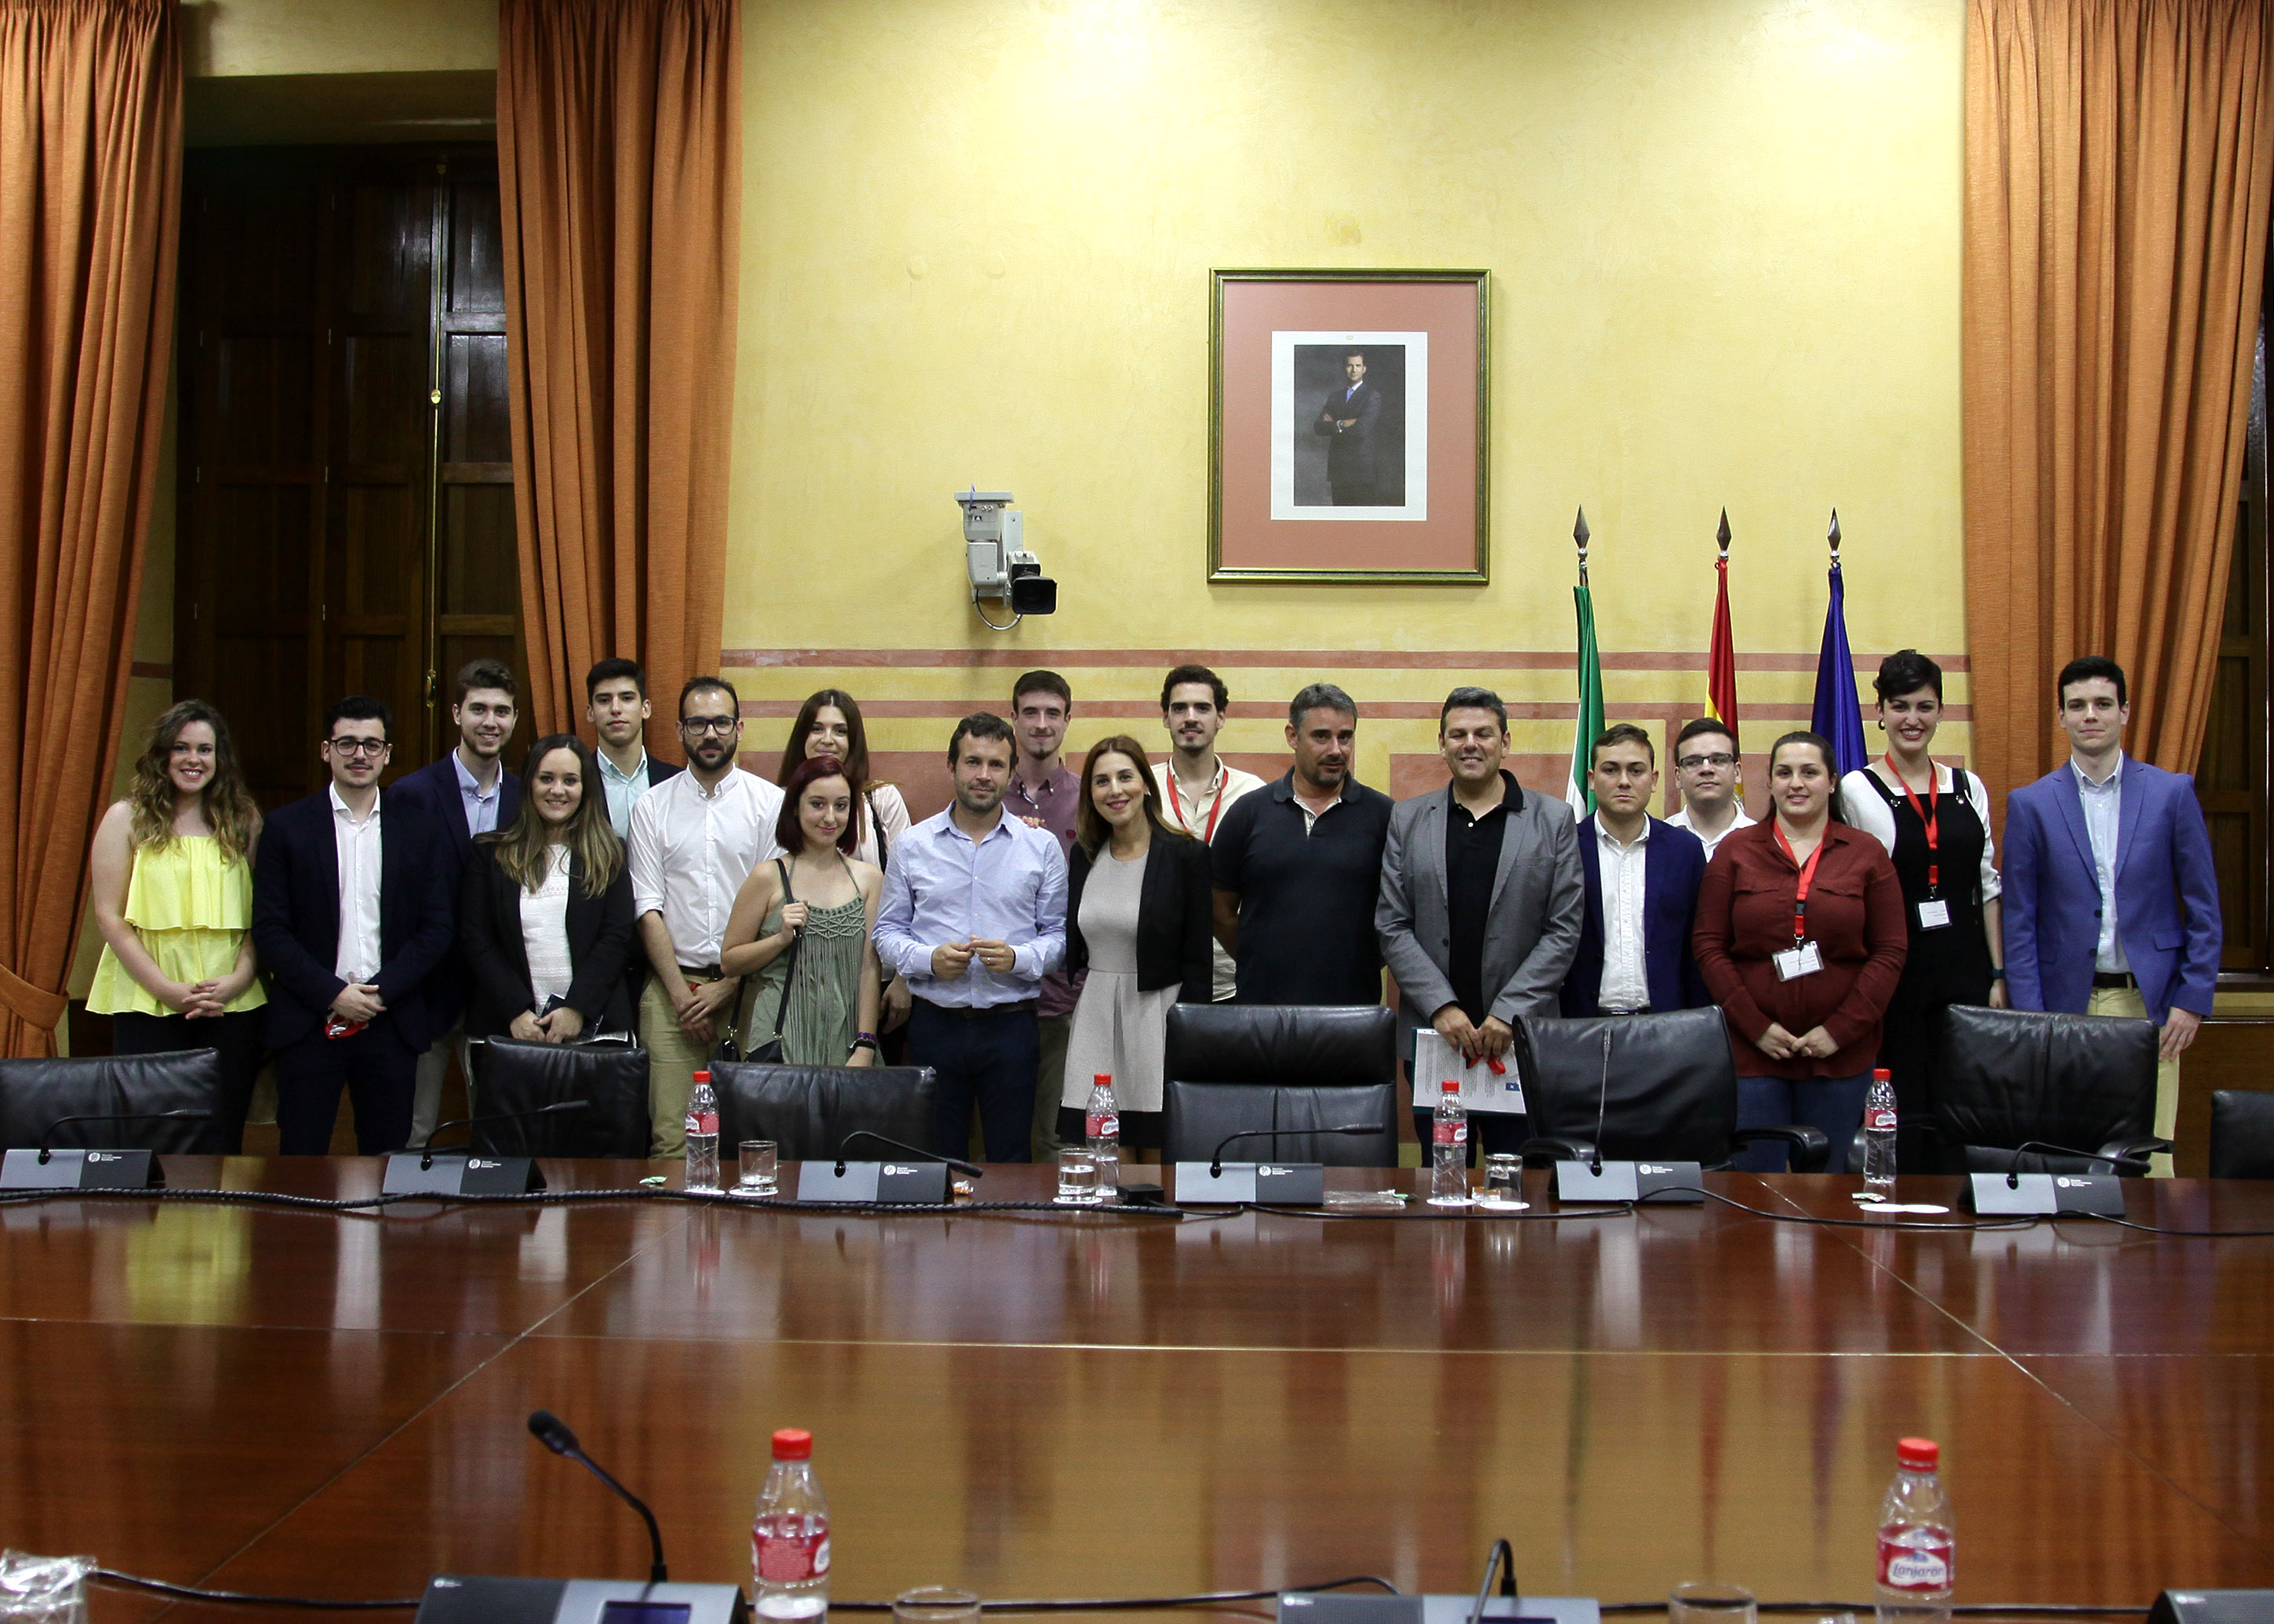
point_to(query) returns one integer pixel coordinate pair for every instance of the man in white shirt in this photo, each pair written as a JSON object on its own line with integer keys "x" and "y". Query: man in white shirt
{"x": 1202, "y": 786}
{"x": 694, "y": 839}
{"x": 1642, "y": 878}
{"x": 1707, "y": 767}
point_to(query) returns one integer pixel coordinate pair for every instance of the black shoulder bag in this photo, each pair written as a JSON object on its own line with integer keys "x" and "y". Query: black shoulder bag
{"x": 769, "y": 1052}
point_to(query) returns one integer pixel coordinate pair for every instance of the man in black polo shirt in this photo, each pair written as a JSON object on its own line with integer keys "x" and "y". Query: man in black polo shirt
{"x": 1482, "y": 900}
{"x": 1299, "y": 864}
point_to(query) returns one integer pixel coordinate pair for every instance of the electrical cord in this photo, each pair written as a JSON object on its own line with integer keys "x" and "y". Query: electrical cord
{"x": 1836, "y": 1224}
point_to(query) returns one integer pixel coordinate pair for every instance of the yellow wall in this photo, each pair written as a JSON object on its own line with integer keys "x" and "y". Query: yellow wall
{"x": 1724, "y": 243}
{"x": 229, "y": 37}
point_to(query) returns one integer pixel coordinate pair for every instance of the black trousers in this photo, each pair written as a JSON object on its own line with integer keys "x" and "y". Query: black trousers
{"x": 991, "y": 1057}
{"x": 236, "y": 1037}
{"x": 377, "y": 1068}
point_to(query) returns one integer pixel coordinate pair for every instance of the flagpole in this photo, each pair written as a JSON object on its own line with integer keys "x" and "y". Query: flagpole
{"x": 1578, "y": 790}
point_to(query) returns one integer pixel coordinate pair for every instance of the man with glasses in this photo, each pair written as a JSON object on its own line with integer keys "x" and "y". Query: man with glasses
{"x": 1642, "y": 878}
{"x": 1707, "y": 767}
{"x": 694, "y": 839}
{"x": 351, "y": 913}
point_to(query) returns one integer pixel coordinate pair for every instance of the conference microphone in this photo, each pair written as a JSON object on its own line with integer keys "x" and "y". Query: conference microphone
{"x": 1284, "y": 1184}
{"x": 1595, "y": 1179}
{"x": 918, "y": 1179}
{"x": 47, "y": 1139}
{"x": 1360, "y": 1129}
{"x": 476, "y": 1121}
{"x": 454, "y": 1171}
{"x": 926, "y": 1155}
{"x": 2046, "y": 1195}
{"x": 551, "y": 1430}
{"x": 48, "y": 1168}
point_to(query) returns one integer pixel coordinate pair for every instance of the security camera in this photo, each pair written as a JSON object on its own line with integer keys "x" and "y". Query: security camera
{"x": 996, "y": 559}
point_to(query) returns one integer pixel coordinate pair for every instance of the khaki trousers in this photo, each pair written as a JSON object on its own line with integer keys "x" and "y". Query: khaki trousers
{"x": 2126, "y": 1001}
{"x": 673, "y": 1059}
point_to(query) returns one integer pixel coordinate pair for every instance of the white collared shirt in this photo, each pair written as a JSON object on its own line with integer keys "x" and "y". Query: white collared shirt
{"x": 1626, "y": 977}
{"x": 1681, "y": 820}
{"x": 2104, "y": 803}
{"x": 690, "y": 851}
{"x": 1199, "y": 817}
{"x": 358, "y": 848}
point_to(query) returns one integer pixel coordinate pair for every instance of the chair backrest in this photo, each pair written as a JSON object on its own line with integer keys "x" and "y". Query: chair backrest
{"x": 35, "y": 1094}
{"x": 2242, "y": 1133}
{"x": 610, "y": 1078}
{"x": 1201, "y": 1115}
{"x": 1671, "y": 1092}
{"x": 1288, "y": 1045}
{"x": 2007, "y": 1077}
{"x": 808, "y": 1110}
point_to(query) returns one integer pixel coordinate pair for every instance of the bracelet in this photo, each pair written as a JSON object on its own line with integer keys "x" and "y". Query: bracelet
{"x": 868, "y": 1038}
{"x": 1998, "y": 972}
{"x": 865, "y": 1041}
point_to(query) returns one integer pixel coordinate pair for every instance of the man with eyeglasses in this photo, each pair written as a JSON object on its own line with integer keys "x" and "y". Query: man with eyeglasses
{"x": 1642, "y": 877}
{"x": 1707, "y": 767}
{"x": 351, "y": 912}
{"x": 694, "y": 839}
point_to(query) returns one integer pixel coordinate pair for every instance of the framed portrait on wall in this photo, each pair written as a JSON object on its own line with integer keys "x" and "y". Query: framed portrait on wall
{"x": 1347, "y": 425}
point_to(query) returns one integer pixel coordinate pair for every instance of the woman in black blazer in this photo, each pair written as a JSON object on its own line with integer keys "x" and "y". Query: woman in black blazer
{"x": 1138, "y": 921}
{"x": 545, "y": 909}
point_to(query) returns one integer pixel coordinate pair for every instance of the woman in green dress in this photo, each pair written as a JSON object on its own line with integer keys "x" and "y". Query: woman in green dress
{"x": 821, "y": 900}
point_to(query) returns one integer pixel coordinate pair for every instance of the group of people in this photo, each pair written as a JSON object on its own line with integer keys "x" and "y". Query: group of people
{"x": 1033, "y": 935}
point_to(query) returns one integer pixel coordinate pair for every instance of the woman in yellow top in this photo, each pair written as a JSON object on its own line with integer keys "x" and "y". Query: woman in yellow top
{"x": 172, "y": 871}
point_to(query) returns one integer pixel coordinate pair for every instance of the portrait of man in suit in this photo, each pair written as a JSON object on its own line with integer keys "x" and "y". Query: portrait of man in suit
{"x": 1350, "y": 429}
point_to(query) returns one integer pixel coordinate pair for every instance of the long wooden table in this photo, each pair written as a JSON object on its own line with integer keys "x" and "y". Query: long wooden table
{"x": 1067, "y": 1404}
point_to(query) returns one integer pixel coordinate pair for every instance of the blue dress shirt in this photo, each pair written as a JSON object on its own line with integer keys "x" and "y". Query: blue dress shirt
{"x": 481, "y": 810}
{"x": 2104, "y": 804}
{"x": 941, "y": 887}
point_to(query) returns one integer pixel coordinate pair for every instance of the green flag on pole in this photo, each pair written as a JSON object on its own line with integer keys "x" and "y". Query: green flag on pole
{"x": 1579, "y": 791}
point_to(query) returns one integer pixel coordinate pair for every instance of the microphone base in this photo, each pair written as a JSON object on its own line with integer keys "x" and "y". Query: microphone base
{"x": 1272, "y": 1183}
{"x": 2045, "y": 1195}
{"x": 888, "y": 1184}
{"x": 1334, "y": 1607}
{"x": 1663, "y": 1183}
{"x": 474, "y": 1598}
{"x": 81, "y": 1169}
{"x": 459, "y": 1172}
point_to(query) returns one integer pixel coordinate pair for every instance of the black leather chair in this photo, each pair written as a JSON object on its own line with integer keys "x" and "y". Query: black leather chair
{"x": 809, "y": 1110}
{"x": 35, "y": 1094}
{"x": 1238, "y": 1068}
{"x": 2242, "y": 1133}
{"x": 2083, "y": 1083}
{"x": 1670, "y": 1094}
{"x": 512, "y": 1075}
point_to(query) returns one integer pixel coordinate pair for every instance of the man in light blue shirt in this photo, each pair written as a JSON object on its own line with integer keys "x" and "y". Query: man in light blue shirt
{"x": 616, "y": 704}
{"x": 973, "y": 915}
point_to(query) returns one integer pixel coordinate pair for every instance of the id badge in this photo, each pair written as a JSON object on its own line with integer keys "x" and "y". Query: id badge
{"x": 1933, "y": 915}
{"x": 1805, "y": 959}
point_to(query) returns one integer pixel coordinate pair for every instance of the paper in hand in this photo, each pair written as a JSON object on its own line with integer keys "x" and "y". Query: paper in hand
{"x": 1483, "y": 1089}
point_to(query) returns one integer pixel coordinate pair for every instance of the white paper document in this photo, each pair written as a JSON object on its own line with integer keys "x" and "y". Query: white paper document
{"x": 1483, "y": 1089}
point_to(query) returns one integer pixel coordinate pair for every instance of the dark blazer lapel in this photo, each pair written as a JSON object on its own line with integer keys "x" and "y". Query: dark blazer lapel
{"x": 1591, "y": 865}
{"x": 1510, "y": 838}
{"x": 326, "y": 902}
{"x": 1433, "y": 825}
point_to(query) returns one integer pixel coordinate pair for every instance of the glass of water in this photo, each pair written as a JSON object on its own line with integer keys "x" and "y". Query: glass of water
{"x": 1078, "y": 1181}
{"x": 935, "y": 1604}
{"x": 1711, "y": 1604}
{"x": 1503, "y": 1184}
{"x": 759, "y": 1161}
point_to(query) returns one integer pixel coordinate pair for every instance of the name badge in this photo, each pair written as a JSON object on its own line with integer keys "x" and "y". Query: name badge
{"x": 1806, "y": 959}
{"x": 1933, "y": 915}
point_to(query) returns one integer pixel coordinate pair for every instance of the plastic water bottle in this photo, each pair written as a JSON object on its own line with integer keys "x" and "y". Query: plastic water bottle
{"x": 1879, "y": 1136}
{"x": 1102, "y": 1123}
{"x": 702, "y": 1135}
{"x": 789, "y": 1534}
{"x": 1448, "y": 1149}
{"x": 1916, "y": 1562}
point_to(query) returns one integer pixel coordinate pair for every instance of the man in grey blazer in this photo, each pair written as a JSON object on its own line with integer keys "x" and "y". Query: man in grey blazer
{"x": 1482, "y": 900}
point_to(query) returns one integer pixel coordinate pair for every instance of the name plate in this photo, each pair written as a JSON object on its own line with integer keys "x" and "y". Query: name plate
{"x": 1332, "y": 1607}
{"x": 1664, "y": 1184}
{"x": 467, "y": 1599}
{"x": 1274, "y": 1183}
{"x": 81, "y": 1169}
{"x": 459, "y": 1172}
{"x": 887, "y": 1183}
{"x": 2044, "y": 1194}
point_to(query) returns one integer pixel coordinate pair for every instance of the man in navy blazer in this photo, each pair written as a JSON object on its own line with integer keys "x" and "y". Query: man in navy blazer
{"x": 1349, "y": 420}
{"x": 350, "y": 914}
{"x": 1648, "y": 965}
{"x": 2111, "y": 900}
{"x": 467, "y": 793}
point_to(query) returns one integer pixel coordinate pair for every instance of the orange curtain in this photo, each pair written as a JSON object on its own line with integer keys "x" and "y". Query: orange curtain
{"x": 2119, "y": 154}
{"x": 90, "y": 209}
{"x": 619, "y": 166}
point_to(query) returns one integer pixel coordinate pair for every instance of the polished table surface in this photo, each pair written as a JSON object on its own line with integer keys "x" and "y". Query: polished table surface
{"x": 1069, "y": 1403}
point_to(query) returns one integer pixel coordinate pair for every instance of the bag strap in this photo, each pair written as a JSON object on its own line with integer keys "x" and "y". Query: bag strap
{"x": 781, "y": 866}
{"x": 884, "y": 846}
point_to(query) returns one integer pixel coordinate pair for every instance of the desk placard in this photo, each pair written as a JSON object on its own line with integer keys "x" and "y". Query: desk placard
{"x": 1665, "y": 1183}
{"x": 81, "y": 1169}
{"x": 458, "y": 1172}
{"x": 891, "y": 1183}
{"x": 2045, "y": 1195}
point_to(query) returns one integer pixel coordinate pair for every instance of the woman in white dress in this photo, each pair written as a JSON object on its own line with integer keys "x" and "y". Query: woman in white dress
{"x": 1138, "y": 918}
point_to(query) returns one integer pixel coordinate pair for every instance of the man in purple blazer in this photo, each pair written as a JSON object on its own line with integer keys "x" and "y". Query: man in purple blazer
{"x": 2111, "y": 901}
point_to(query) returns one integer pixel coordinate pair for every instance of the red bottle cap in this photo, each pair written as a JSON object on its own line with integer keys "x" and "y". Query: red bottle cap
{"x": 794, "y": 1443}
{"x": 1880, "y": 1074}
{"x": 1103, "y": 1080}
{"x": 1451, "y": 1085}
{"x": 702, "y": 1077}
{"x": 1917, "y": 1453}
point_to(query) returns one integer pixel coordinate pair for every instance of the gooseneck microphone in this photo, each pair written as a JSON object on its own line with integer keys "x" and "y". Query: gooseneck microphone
{"x": 427, "y": 1161}
{"x": 1503, "y": 1559}
{"x": 47, "y": 1145}
{"x": 1355, "y": 1129}
{"x": 1602, "y": 1102}
{"x": 2013, "y": 1168}
{"x": 919, "y": 1155}
{"x": 549, "y": 1430}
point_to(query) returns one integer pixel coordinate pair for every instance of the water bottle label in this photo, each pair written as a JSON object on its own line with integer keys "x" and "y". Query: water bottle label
{"x": 1101, "y": 1127}
{"x": 702, "y": 1123}
{"x": 1913, "y": 1568}
{"x": 1883, "y": 1117}
{"x": 789, "y": 1559}
{"x": 1452, "y": 1134}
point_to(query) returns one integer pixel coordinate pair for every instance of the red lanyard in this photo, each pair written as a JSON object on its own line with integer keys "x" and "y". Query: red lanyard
{"x": 1927, "y": 815}
{"x": 1216, "y": 805}
{"x": 1807, "y": 878}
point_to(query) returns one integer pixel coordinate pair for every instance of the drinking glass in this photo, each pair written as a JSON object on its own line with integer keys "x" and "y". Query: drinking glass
{"x": 1503, "y": 1184}
{"x": 935, "y": 1604}
{"x": 1710, "y": 1604}
{"x": 757, "y": 1159}
{"x": 1078, "y": 1184}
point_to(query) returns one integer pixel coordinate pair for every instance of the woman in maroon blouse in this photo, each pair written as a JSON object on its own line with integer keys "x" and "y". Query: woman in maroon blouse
{"x": 1801, "y": 938}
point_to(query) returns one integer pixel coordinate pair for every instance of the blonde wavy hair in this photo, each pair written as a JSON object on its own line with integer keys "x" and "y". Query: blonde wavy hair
{"x": 230, "y": 811}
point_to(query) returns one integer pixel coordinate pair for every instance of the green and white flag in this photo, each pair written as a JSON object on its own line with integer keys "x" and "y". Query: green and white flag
{"x": 1579, "y": 790}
